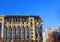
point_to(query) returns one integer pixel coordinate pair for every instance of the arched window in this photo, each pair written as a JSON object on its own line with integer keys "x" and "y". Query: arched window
{"x": 14, "y": 32}
{"x": 10, "y": 28}
{"x": 23, "y": 32}
{"x": 18, "y": 29}
{"x": 5, "y": 33}
{"x": 9, "y": 32}
{"x": 27, "y": 32}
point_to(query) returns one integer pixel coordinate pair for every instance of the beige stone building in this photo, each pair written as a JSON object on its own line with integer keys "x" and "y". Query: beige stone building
{"x": 47, "y": 33}
{"x": 20, "y": 28}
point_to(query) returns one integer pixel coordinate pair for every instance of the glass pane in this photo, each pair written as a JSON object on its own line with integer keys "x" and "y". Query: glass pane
{"x": 14, "y": 32}
{"x": 5, "y": 33}
{"x": 22, "y": 33}
{"x": 27, "y": 33}
{"x": 18, "y": 33}
{"x": 9, "y": 33}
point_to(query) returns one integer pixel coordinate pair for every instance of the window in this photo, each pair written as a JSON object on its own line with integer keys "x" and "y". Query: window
{"x": 31, "y": 23}
{"x": 14, "y": 32}
{"x": 40, "y": 28}
{"x": 16, "y": 19}
{"x": 27, "y": 26}
{"x": 31, "y": 33}
{"x": 18, "y": 29}
{"x": 10, "y": 22}
{"x": 36, "y": 35}
{"x": 23, "y": 32}
{"x": 31, "y": 29}
{"x": 22, "y": 22}
{"x": 25, "y": 19}
{"x": 5, "y": 33}
{"x": 9, "y": 33}
{"x": 31, "y": 19}
{"x": 27, "y": 33}
{"x": 31, "y": 36}
{"x": 27, "y": 22}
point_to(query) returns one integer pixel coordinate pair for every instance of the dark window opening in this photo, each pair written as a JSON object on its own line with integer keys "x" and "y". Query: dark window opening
{"x": 10, "y": 22}
{"x": 31, "y": 36}
{"x": 31, "y": 19}
{"x": 31, "y": 33}
{"x": 31, "y": 29}
{"x": 22, "y": 22}
{"x": 31, "y": 23}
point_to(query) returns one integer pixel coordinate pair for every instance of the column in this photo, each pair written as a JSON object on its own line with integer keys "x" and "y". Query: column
{"x": 2, "y": 30}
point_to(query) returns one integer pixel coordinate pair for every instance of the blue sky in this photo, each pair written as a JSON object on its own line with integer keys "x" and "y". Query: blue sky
{"x": 48, "y": 10}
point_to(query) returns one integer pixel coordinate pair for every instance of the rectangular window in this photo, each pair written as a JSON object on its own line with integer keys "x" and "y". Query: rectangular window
{"x": 14, "y": 32}
{"x": 22, "y": 22}
{"x": 31, "y": 23}
{"x": 23, "y": 33}
{"x": 9, "y": 32}
{"x": 18, "y": 29}
{"x": 5, "y": 33}
{"x": 27, "y": 33}
{"x": 10, "y": 22}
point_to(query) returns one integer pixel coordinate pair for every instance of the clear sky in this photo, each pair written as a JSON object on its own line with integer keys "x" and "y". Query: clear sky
{"x": 48, "y": 10}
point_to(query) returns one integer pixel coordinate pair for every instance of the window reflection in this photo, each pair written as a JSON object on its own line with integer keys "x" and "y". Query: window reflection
{"x": 5, "y": 33}
{"x": 18, "y": 29}
{"x": 9, "y": 33}
{"x": 27, "y": 33}
{"x": 14, "y": 32}
{"x": 23, "y": 32}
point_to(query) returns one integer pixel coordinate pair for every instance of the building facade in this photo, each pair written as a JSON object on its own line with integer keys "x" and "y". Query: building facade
{"x": 20, "y": 28}
{"x": 48, "y": 34}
